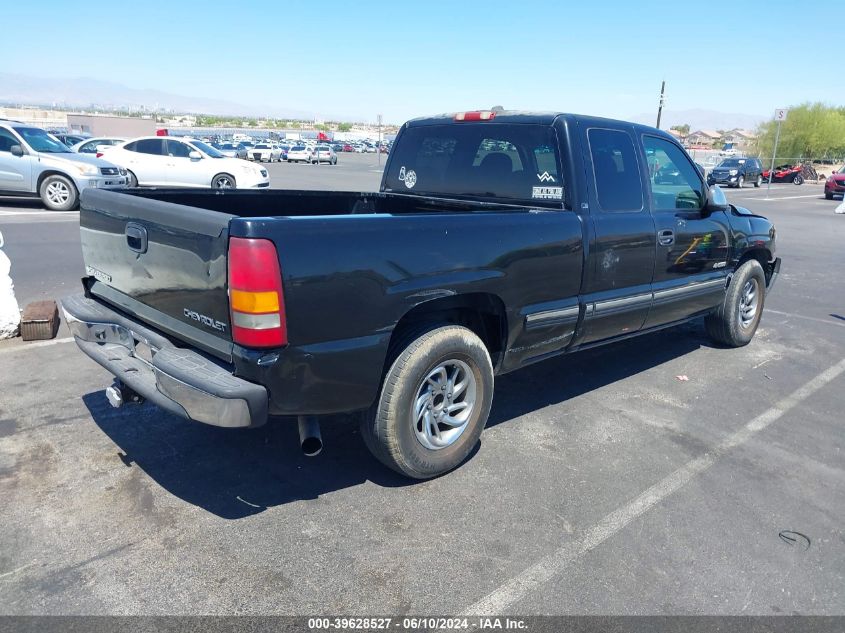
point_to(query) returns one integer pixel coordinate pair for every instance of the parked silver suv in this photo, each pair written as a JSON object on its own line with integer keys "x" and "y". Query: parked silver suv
{"x": 34, "y": 163}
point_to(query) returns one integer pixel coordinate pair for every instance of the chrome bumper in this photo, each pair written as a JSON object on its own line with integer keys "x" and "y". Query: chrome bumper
{"x": 176, "y": 379}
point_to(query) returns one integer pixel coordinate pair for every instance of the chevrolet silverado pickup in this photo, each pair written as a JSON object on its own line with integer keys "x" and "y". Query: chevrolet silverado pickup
{"x": 497, "y": 239}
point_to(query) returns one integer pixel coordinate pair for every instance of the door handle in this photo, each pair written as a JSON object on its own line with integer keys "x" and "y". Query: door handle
{"x": 666, "y": 237}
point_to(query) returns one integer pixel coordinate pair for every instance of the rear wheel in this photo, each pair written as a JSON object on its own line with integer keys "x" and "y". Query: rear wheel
{"x": 223, "y": 181}
{"x": 758, "y": 182}
{"x": 735, "y": 321}
{"x": 798, "y": 180}
{"x": 828, "y": 196}
{"x": 58, "y": 193}
{"x": 434, "y": 403}
{"x": 131, "y": 180}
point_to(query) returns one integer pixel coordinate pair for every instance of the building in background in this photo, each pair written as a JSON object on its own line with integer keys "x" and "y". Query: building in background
{"x": 106, "y": 125}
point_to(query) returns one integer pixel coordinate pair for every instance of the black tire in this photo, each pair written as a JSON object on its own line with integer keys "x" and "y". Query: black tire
{"x": 740, "y": 182}
{"x": 220, "y": 180}
{"x": 798, "y": 180}
{"x": 725, "y": 325}
{"x": 758, "y": 182}
{"x": 131, "y": 179}
{"x": 828, "y": 196}
{"x": 390, "y": 430}
{"x": 58, "y": 193}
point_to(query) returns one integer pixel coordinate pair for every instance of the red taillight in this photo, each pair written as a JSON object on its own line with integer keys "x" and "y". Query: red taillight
{"x": 481, "y": 115}
{"x": 99, "y": 154}
{"x": 256, "y": 298}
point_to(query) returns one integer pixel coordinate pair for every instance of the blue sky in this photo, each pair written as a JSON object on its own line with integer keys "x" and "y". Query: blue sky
{"x": 411, "y": 58}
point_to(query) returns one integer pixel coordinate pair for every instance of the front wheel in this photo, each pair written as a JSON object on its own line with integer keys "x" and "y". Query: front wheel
{"x": 735, "y": 321}
{"x": 223, "y": 181}
{"x": 434, "y": 403}
{"x": 798, "y": 180}
{"x": 828, "y": 196}
{"x": 131, "y": 180}
{"x": 58, "y": 193}
{"x": 740, "y": 182}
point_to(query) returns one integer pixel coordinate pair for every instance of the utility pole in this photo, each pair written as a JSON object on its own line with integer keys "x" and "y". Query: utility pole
{"x": 660, "y": 105}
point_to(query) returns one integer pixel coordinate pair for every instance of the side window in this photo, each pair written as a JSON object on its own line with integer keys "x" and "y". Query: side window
{"x": 131, "y": 147}
{"x": 675, "y": 182}
{"x": 153, "y": 146}
{"x": 177, "y": 149}
{"x": 7, "y": 139}
{"x": 617, "y": 175}
{"x": 89, "y": 148}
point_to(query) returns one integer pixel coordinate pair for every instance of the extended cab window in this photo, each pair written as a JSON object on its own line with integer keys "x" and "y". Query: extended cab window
{"x": 617, "y": 176}
{"x": 675, "y": 182}
{"x": 495, "y": 162}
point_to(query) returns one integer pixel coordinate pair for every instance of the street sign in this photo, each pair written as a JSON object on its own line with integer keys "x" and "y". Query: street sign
{"x": 780, "y": 114}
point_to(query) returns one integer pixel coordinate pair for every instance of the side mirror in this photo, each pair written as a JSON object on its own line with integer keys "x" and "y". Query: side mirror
{"x": 716, "y": 200}
{"x": 194, "y": 155}
{"x": 16, "y": 150}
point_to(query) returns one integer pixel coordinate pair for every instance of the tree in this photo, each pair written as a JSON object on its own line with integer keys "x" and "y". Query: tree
{"x": 811, "y": 131}
{"x": 344, "y": 127}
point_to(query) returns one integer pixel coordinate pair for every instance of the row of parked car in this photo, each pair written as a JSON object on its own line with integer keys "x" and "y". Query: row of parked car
{"x": 34, "y": 162}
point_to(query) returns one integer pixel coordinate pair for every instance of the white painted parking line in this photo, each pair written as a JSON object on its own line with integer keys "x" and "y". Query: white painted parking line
{"x": 815, "y": 195}
{"x": 27, "y": 346}
{"x": 57, "y": 214}
{"x": 806, "y": 318}
{"x": 555, "y": 563}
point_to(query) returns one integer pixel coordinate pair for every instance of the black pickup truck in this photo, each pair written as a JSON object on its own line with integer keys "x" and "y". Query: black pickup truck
{"x": 497, "y": 239}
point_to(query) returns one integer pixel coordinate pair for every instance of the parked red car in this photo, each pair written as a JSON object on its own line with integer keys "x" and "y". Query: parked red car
{"x": 786, "y": 173}
{"x": 835, "y": 185}
{"x": 348, "y": 148}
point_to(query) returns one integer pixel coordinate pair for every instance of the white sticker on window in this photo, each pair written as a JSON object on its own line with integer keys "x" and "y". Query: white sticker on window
{"x": 547, "y": 193}
{"x": 410, "y": 178}
{"x": 402, "y": 173}
{"x": 545, "y": 177}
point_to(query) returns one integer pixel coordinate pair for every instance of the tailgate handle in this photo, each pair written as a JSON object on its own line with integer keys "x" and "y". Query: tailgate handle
{"x": 136, "y": 237}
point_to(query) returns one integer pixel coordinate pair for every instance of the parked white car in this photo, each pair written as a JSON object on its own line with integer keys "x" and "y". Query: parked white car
{"x": 265, "y": 152}
{"x": 96, "y": 145}
{"x": 182, "y": 162}
{"x": 313, "y": 155}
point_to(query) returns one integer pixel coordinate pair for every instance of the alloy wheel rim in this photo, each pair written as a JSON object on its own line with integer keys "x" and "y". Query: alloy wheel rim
{"x": 224, "y": 183}
{"x": 444, "y": 404}
{"x": 58, "y": 192}
{"x": 748, "y": 303}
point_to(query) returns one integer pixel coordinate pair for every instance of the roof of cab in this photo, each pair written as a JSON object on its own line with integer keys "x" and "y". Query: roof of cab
{"x": 537, "y": 118}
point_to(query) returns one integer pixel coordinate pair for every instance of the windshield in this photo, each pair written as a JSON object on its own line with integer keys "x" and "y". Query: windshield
{"x": 207, "y": 149}
{"x": 40, "y": 141}
{"x": 731, "y": 162}
{"x": 298, "y": 148}
{"x": 262, "y": 146}
{"x": 841, "y": 171}
{"x": 227, "y": 146}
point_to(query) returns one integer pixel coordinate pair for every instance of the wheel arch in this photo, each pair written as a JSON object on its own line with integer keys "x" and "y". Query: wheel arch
{"x": 762, "y": 255}
{"x": 482, "y": 313}
{"x": 53, "y": 172}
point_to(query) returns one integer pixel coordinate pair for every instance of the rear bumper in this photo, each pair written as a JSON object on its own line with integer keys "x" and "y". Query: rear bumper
{"x": 178, "y": 380}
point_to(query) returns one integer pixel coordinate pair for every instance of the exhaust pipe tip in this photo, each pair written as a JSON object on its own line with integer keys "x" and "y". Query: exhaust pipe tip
{"x": 310, "y": 440}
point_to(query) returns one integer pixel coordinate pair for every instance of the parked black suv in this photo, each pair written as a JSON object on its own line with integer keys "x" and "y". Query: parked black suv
{"x": 735, "y": 172}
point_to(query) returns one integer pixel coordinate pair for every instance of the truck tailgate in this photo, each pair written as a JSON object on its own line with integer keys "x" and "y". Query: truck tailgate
{"x": 161, "y": 262}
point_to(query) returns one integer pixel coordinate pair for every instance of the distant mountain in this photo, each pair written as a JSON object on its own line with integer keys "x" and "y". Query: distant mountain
{"x": 85, "y": 92}
{"x": 702, "y": 119}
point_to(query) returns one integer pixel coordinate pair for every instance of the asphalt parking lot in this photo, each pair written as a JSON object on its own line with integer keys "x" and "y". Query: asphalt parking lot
{"x": 603, "y": 484}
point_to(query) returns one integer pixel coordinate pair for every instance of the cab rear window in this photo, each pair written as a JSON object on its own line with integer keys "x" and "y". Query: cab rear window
{"x": 511, "y": 163}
